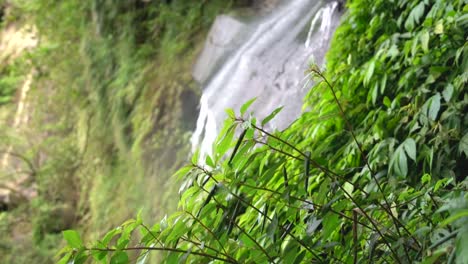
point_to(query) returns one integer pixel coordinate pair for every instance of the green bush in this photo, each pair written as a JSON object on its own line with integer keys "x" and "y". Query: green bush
{"x": 373, "y": 171}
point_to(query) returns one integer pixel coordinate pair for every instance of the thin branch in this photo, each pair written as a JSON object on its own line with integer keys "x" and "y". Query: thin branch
{"x": 163, "y": 249}
{"x": 396, "y": 222}
{"x": 207, "y": 229}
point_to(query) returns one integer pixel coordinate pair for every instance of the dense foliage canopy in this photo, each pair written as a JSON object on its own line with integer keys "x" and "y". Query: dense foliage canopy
{"x": 373, "y": 171}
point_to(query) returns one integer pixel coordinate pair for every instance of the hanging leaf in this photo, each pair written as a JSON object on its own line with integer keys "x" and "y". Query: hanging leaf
{"x": 410, "y": 147}
{"x": 369, "y": 72}
{"x": 415, "y": 16}
{"x": 463, "y": 146}
{"x": 448, "y": 92}
{"x": 425, "y": 41}
{"x": 434, "y": 107}
{"x": 431, "y": 107}
{"x": 399, "y": 162}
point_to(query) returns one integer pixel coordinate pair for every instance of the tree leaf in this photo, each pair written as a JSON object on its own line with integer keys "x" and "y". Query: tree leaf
{"x": 73, "y": 238}
{"x": 448, "y": 92}
{"x": 463, "y": 146}
{"x": 415, "y": 16}
{"x": 434, "y": 107}
{"x": 230, "y": 113}
{"x": 410, "y": 147}
{"x": 246, "y": 106}
{"x": 369, "y": 72}
{"x": 399, "y": 162}
{"x": 119, "y": 257}
{"x": 454, "y": 218}
{"x": 439, "y": 28}
{"x": 271, "y": 116}
{"x": 425, "y": 41}
{"x": 209, "y": 161}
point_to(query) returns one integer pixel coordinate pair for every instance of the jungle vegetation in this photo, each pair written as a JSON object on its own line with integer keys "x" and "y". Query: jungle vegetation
{"x": 373, "y": 171}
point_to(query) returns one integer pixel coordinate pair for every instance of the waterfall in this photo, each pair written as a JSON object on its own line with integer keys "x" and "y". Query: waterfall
{"x": 265, "y": 58}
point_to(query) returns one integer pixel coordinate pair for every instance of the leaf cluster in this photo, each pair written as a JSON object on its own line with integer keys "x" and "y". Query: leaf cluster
{"x": 373, "y": 172}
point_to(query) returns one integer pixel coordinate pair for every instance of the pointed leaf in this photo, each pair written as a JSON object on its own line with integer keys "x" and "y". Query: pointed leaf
{"x": 434, "y": 107}
{"x": 463, "y": 146}
{"x": 425, "y": 41}
{"x": 73, "y": 238}
{"x": 119, "y": 257}
{"x": 410, "y": 147}
{"x": 246, "y": 106}
{"x": 271, "y": 116}
{"x": 369, "y": 72}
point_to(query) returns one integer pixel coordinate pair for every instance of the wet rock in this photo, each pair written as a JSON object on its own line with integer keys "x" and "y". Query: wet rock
{"x": 220, "y": 41}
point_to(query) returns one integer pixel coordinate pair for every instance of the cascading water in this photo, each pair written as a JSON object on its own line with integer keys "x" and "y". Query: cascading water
{"x": 266, "y": 59}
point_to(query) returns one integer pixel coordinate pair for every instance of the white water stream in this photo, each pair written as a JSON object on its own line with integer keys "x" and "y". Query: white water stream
{"x": 268, "y": 61}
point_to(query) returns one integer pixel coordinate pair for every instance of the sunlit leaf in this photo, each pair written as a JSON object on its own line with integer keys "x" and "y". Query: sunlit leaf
{"x": 425, "y": 41}
{"x": 73, "y": 238}
{"x": 246, "y": 106}
{"x": 271, "y": 116}
{"x": 410, "y": 147}
{"x": 369, "y": 72}
{"x": 119, "y": 257}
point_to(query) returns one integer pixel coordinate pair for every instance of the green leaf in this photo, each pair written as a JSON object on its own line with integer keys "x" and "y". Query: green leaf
{"x": 330, "y": 224}
{"x": 179, "y": 229}
{"x": 425, "y": 41}
{"x": 439, "y": 28}
{"x": 272, "y": 227}
{"x": 414, "y": 16}
{"x": 271, "y": 116}
{"x": 230, "y": 113}
{"x": 448, "y": 92}
{"x": 65, "y": 259}
{"x": 119, "y": 257}
{"x": 433, "y": 258}
{"x": 463, "y": 146}
{"x": 399, "y": 162}
{"x": 223, "y": 145}
{"x": 432, "y": 106}
{"x": 195, "y": 156}
{"x": 426, "y": 178}
{"x": 108, "y": 237}
{"x": 454, "y": 218}
{"x": 387, "y": 102}
{"x": 209, "y": 161}
{"x": 246, "y": 240}
{"x": 236, "y": 148}
{"x": 73, "y": 238}
{"x": 442, "y": 183}
{"x": 410, "y": 147}
{"x": 369, "y": 72}
{"x": 246, "y": 106}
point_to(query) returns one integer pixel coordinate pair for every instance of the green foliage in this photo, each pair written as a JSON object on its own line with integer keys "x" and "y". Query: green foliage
{"x": 11, "y": 76}
{"x": 108, "y": 126}
{"x": 375, "y": 171}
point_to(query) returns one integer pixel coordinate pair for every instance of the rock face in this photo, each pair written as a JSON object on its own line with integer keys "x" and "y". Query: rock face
{"x": 266, "y": 58}
{"x": 221, "y": 41}
{"x": 14, "y": 42}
